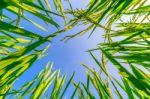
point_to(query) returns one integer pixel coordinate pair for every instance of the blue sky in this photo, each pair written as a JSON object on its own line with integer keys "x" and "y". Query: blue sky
{"x": 66, "y": 56}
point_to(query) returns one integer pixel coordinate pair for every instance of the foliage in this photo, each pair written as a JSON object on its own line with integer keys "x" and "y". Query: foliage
{"x": 19, "y": 48}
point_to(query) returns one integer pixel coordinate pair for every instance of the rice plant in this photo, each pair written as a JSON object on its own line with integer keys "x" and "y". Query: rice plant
{"x": 126, "y": 47}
